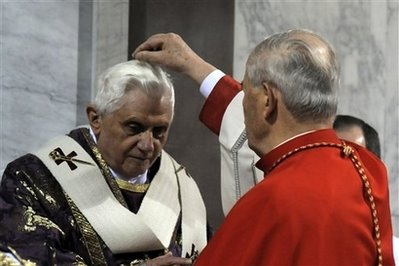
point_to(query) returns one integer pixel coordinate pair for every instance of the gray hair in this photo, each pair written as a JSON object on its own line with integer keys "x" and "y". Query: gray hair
{"x": 119, "y": 79}
{"x": 303, "y": 67}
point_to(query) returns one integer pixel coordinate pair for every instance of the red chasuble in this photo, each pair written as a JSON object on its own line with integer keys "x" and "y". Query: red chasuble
{"x": 310, "y": 209}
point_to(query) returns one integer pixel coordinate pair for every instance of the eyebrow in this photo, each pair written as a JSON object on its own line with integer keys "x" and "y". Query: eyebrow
{"x": 143, "y": 123}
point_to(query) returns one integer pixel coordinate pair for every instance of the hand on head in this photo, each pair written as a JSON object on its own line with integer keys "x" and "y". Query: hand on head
{"x": 171, "y": 51}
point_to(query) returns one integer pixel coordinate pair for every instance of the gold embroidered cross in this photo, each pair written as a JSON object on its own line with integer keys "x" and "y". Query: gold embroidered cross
{"x": 59, "y": 157}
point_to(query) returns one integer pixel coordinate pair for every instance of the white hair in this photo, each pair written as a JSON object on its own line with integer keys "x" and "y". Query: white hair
{"x": 303, "y": 67}
{"x": 119, "y": 79}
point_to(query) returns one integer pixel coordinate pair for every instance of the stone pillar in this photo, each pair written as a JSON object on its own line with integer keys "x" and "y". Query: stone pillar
{"x": 207, "y": 26}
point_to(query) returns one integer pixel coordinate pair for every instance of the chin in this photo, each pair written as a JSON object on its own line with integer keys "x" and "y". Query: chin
{"x": 251, "y": 146}
{"x": 255, "y": 148}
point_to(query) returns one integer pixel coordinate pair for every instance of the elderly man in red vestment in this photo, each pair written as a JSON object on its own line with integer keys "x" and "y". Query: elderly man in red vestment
{"x": 321, "y": 201}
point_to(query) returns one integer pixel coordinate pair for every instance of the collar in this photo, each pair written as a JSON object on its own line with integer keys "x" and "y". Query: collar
{"x": 301, "y": 134}
{"x": 317, "y": 136}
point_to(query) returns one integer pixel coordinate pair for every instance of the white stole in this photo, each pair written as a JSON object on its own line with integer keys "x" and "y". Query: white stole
{"x": 123, "y": 231}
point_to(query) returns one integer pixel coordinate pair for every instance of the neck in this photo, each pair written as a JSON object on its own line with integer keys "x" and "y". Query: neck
{"x": 279, "y": 135}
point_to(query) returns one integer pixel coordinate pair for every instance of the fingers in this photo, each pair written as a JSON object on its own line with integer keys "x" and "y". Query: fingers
{"x": 171, "y": 51}
{"x": 172, "y": 260}
{"x": 168, "y": 259}
{"x": 155, "y": 42}
{"x": 155, "y": 57}
{"x": 162, "y": 49}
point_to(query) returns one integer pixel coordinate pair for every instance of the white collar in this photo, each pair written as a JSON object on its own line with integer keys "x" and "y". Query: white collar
{"x": 304, "y": 133}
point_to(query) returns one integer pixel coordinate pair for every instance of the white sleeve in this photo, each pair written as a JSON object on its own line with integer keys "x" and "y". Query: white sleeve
{"x": 238, "y": 171}
{"x": 210, "y": 81}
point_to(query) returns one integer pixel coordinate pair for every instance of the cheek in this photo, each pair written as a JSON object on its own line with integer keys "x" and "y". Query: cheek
{"x": 121, "y": 147}
{"x": 128, "y": 144}
{"x": 160, "y": 144}
{"x": 109, "y": 150}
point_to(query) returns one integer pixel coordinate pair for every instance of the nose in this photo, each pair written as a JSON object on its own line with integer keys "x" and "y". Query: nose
{"x": 146, "y": 141}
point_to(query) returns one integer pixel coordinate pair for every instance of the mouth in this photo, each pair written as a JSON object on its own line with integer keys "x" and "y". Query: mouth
{"x": 140, "y": 158}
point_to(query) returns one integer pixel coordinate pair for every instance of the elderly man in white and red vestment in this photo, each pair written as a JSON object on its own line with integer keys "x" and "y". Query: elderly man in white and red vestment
{"x": 322, "y": 201}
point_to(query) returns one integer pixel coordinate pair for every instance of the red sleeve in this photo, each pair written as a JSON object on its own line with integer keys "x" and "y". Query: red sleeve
{"x": 213, "y": 110}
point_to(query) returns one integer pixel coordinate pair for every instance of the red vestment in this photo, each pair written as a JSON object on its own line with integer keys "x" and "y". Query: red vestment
{"x": 310, "y": 209}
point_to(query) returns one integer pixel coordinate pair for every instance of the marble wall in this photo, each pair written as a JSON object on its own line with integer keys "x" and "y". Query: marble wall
{"x": 39, "y": 42}
{"x": 365, "y": 37}
{"x": 51, "y": 55}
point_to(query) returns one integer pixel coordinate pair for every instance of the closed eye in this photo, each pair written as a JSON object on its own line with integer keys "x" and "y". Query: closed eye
{"x": 159, "y": 132}
{"x": 134, "y": 128}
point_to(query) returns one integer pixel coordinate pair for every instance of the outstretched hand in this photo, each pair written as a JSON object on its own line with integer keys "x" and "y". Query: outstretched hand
{"x": 171, "y": 51}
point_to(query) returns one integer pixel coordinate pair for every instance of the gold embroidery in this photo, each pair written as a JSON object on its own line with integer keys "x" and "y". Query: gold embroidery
{"x": 79, "y": 261}
{"x": 12, "y": 259}
{"x": 90, "y": 237}
{"x": 105, "y": 169}
{"x": 177, "y": 238}
{"x": 32, "y": 220}
{"x": 27, "y": 187}
{"x": 50, "y": 199}
{"x": 87, "y": 230}
{"x": 140, "y": 188}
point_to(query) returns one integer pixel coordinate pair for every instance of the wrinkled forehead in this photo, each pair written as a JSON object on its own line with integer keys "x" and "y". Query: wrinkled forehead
{"x": 141, "y": 96}
{"x": 152, "y": 89}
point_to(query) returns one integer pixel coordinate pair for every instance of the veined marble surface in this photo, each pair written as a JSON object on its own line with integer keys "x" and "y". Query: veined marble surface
{"x": 38, "y": 73}
{"x": 51, "y": 54}
{"x": 365, "y": 37}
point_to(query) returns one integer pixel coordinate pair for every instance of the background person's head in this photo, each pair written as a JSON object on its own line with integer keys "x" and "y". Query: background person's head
{"x": 131, "y": 116}
{"x": 358, "y": 131}
{"x": 291, "y": 77}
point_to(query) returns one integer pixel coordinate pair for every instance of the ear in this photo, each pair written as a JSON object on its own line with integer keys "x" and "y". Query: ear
{"x": 270, "y": 99}
{"x": 94, "y": 119}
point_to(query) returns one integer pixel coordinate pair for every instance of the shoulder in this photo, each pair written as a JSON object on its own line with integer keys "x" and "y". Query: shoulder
{"x": 28, "y": 171}
{"x": 27, "y": 163}
{"x": 371, "y": 161}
